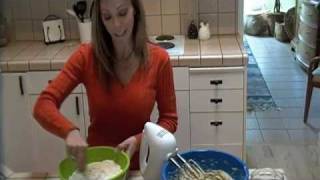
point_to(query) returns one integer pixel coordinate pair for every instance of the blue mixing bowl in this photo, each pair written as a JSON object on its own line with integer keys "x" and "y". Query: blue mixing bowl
{"x": 209, "y": 160}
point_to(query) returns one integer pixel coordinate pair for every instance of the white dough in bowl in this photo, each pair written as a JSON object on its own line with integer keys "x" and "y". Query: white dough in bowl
{"x": 103, "y": 170}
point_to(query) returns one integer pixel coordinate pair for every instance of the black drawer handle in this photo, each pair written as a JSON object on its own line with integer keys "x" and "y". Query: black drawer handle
{"x": 77, "y": 105}
{"x": 216, "y": 123}
{"x": 216, "y": 101}
{"x": 21, "y": 85}
{"x": 215, "y": 82}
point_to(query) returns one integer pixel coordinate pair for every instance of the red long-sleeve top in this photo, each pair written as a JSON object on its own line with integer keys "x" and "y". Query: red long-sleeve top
{"x": 117, "y": 112}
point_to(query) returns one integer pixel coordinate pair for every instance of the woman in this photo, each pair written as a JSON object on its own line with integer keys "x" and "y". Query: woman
{"x": 124, "y": 76}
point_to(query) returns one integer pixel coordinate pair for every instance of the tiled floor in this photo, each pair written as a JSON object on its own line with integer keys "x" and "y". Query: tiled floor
{"x": 280, "y": 139}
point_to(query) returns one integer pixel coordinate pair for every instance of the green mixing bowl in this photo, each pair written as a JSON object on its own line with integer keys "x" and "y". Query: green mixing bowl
{"x": 95, "y": 154}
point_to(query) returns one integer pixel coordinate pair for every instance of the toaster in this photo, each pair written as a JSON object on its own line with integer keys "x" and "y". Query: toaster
{"x": 53, "y": 29}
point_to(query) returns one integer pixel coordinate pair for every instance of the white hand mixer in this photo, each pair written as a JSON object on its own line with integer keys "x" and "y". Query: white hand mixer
{"x": 159, "y": 145}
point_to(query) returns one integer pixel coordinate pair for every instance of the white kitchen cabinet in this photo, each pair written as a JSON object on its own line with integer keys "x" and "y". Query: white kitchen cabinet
{"x": 216, "y": 100}
{"x": 217, "y": 109}
{"x": 15, "y": 134}
{"x": 181, "y": 84}
{"x": 183, "y": 130}
{"x": 38, "y": 81}
{"x": 216, "y": 128}
{"x": 45, "y": 146}
{"x": 49, "y": 148}
{"x": 211, "y": 108}
{"x": 203, "y": 78}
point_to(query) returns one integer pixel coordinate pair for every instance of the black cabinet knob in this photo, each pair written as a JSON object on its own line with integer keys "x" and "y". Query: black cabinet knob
{"x": 216, "y": 123}
{"x": 77, "y": 106}
{"x": 215, "y": 82}
{"x": 216, "y": 100}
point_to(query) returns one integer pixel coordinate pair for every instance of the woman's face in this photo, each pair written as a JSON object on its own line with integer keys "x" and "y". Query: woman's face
{"x": 118, "y": 18}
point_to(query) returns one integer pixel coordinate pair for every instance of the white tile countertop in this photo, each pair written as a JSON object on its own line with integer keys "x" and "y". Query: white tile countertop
{"x": 132, "y": 175}
{"x": 136, "y": 175}
{"x": 23, "y": 56}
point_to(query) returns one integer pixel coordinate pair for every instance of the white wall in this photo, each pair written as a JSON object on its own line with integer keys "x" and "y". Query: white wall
{"x": 268, "y": 5}
{"x": 285, "y": 4}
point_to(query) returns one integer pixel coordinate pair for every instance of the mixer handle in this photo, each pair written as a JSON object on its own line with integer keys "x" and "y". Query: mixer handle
{"x": 143, "y": 153}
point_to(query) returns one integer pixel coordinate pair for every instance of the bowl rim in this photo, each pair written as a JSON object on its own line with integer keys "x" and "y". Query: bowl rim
{"x": 166, "y": 162}
{"x": 123, "y": 170}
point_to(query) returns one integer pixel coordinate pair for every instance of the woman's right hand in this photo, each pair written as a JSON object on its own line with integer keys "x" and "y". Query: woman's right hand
{"x": 76, "y": 148}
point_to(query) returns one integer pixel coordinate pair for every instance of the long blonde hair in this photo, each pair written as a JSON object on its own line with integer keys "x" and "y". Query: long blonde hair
{"x": 102, "y": 42}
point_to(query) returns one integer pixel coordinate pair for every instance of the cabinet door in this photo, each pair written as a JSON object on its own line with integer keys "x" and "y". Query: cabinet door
{"x": 15, "y": 134}
{"x": 216, "y": 128}
{"x": 49, "y": 150}
{"x": 183, "y": 130}
{"x": 216, "y": 100}
{"x": 38, "y": 81}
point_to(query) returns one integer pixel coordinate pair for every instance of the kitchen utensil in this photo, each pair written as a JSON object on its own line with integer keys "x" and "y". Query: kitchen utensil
{"x": 190, "y": 167}
{"x": 72, "y": 13}
{"x": 157, "y": 145}
{"x": 75, "y": 9}
{"x": 96, "y": 154}
{"x": 208, "y": 160}
{"x": 80, "y": 8}
{"x": 91, "y": 9}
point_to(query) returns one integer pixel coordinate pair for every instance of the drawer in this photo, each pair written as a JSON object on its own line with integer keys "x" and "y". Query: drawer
{"x": 309, "y": 13}
{"x": 216, "y": 100}
{"x": 308, "y": 34}
{"x": 37, "y": 81}
{"x": 216, "y": 128}
{"x": 216, "y": 79}
{"x": 305, "y": 51}
{"x": 181, "y": 78}
{"x": 234, "y": 149}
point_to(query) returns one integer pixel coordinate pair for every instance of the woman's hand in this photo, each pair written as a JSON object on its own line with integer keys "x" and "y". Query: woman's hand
{"x": 76, "y": 148}
{"x": 129, "y": 145}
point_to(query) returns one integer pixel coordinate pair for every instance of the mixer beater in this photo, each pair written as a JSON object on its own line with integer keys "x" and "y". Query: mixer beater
{"x": 191, "y": 170}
